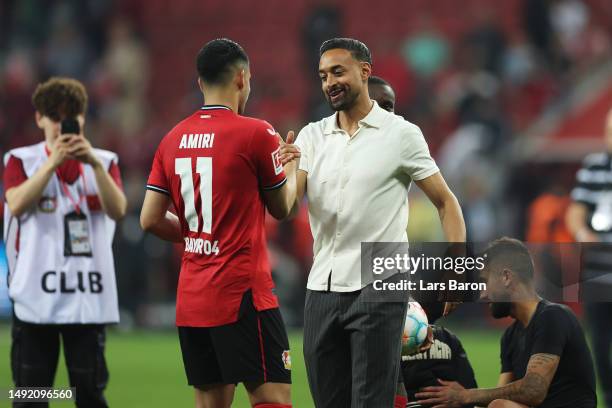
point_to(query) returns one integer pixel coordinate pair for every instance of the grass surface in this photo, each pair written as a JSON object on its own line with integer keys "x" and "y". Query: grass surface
{"x": 146, "y": 368}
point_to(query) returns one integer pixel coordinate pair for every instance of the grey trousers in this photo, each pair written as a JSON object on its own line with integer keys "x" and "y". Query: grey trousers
{"x": 352, "y": 349}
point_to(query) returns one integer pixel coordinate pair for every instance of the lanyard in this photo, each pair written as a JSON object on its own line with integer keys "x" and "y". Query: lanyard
{"x": 64, "y": 185}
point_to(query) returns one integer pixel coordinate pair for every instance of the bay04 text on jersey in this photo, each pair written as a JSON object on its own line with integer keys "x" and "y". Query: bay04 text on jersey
{"x": 201, "y": 246}
{"x": 407, "y": 284}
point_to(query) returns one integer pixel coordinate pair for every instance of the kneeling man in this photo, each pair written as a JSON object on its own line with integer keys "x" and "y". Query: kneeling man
{"x": 545, "y": 359}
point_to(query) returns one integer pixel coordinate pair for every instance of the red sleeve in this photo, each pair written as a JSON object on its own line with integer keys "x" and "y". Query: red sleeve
{"x": 157, "y": 178}
{"x": 14, "y": 174}
{"x": 266, "y": 151}
{"x": 115, "y": 174}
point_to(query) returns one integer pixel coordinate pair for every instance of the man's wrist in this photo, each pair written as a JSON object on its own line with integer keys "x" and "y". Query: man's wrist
{"x": 464, "y": 396}
{"x": 290, "y": 166}
{"x": 50, "y": 165}
{"x": 96, "y": 163}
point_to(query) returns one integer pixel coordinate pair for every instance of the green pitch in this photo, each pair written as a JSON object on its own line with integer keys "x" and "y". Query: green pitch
{"x": 146, "y": 368}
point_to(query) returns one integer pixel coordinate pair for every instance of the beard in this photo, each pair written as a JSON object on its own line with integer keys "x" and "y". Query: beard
{"x": 499, "y": 310}
{"x": 345, "y": 102}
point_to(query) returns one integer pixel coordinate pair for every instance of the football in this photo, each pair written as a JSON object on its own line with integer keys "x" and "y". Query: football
{"x": 415, "y": 329}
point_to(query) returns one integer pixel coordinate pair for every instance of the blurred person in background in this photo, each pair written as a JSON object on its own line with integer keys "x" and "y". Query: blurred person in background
{"x": 546, "y": 215}
{"x": 545, "y": 359}
{"x": 229, "y": 324}
{"x": 381, "y": 92}
{"x": 546, "y": 226}
{"x": 63, "y": 198}
{"x": 342, "y": 331}
{"x": 589, "y": 219}
{"x": 426, "y": 50}
{"x": 443, "y": 356}
{"x": 126, "y": 67}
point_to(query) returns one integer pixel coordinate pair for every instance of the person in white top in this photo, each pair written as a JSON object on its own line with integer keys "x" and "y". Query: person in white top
{"x": 356, "y": 167}
{"x": 62, "y": 200}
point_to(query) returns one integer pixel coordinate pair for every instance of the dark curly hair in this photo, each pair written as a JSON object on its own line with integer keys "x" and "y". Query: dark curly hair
{"x": 60, "y": 98}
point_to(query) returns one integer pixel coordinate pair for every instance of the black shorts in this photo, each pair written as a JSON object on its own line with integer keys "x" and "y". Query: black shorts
{"x": 253, "y": 349}
{"x": 35, "y": 351}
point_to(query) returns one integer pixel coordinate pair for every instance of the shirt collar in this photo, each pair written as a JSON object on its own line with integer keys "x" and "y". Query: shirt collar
{"x": 211, "y": 107}
{"x": 375, "y": 118}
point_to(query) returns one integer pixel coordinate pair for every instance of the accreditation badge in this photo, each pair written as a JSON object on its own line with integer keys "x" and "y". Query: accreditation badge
{"x": 76, "y": 235}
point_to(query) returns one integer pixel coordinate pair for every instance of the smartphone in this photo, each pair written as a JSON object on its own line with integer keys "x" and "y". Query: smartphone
{"x": 70, "y": 126}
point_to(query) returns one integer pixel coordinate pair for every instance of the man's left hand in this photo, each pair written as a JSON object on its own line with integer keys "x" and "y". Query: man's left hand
{"x": 449, "y": 307}
{"x": 82, "y": 150}
{"x": 428, "y": 340}
{"x": 449, "y": 394}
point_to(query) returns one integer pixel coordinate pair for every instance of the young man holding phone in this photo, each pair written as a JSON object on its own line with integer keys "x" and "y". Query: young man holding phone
{"x": 62, "y": 200}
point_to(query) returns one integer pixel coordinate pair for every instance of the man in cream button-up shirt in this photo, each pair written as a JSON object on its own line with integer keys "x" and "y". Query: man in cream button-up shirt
{"x": 356, "y": 167}
{"x": 356, "y": 188}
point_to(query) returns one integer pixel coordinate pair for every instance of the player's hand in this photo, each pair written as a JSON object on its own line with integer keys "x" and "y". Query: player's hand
{"x": 81, "y": 149}
{"x": 428, "y": 340}
{"x": 449, "y": 394}
{"x": 60, "y": 150}
{"x": 449, "y": 307}
{"x": 288, "y": 151}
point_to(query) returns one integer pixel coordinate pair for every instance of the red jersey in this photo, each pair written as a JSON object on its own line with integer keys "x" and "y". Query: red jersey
{"x": 214, "y": 165}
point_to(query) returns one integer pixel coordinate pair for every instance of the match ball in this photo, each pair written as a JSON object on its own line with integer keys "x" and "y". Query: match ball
{"x": 415, "y": 329}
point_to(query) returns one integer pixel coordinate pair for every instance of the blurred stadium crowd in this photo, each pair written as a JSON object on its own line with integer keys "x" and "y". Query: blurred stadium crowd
{"x": 474, "y": 77}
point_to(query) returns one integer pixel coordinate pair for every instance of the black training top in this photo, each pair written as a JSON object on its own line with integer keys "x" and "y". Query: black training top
{"x": 446, "y": 359}
{"x": 553, "y": 329}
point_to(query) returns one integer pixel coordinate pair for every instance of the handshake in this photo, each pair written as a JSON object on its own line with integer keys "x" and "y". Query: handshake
{"x": 288, "y": 150}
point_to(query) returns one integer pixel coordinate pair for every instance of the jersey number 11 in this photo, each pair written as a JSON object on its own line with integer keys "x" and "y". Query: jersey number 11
{"x": 182, "y": 168}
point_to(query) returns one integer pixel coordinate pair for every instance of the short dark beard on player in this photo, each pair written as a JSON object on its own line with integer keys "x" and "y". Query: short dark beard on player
{"x": 499, "y": 310}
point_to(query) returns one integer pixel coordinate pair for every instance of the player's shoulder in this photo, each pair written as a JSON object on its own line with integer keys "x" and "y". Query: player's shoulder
{"x": 178, "y": 130}
{"x": 182, "y": 125}
{"x": 550, "y": 310}
{"x": 25, "y": 153}
{"x": 596, "y": 160}
{"x": 443, "y": 332}
{"x": 259, "y": 126}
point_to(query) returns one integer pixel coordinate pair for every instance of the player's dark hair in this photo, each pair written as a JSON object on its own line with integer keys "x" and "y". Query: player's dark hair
{"x": 512, "y": 254}
{"x": 358, "y": 50}
{"x": 374, "y": 80}
{"x": 217, "y": 58}
{"x": 60, "y": 98}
